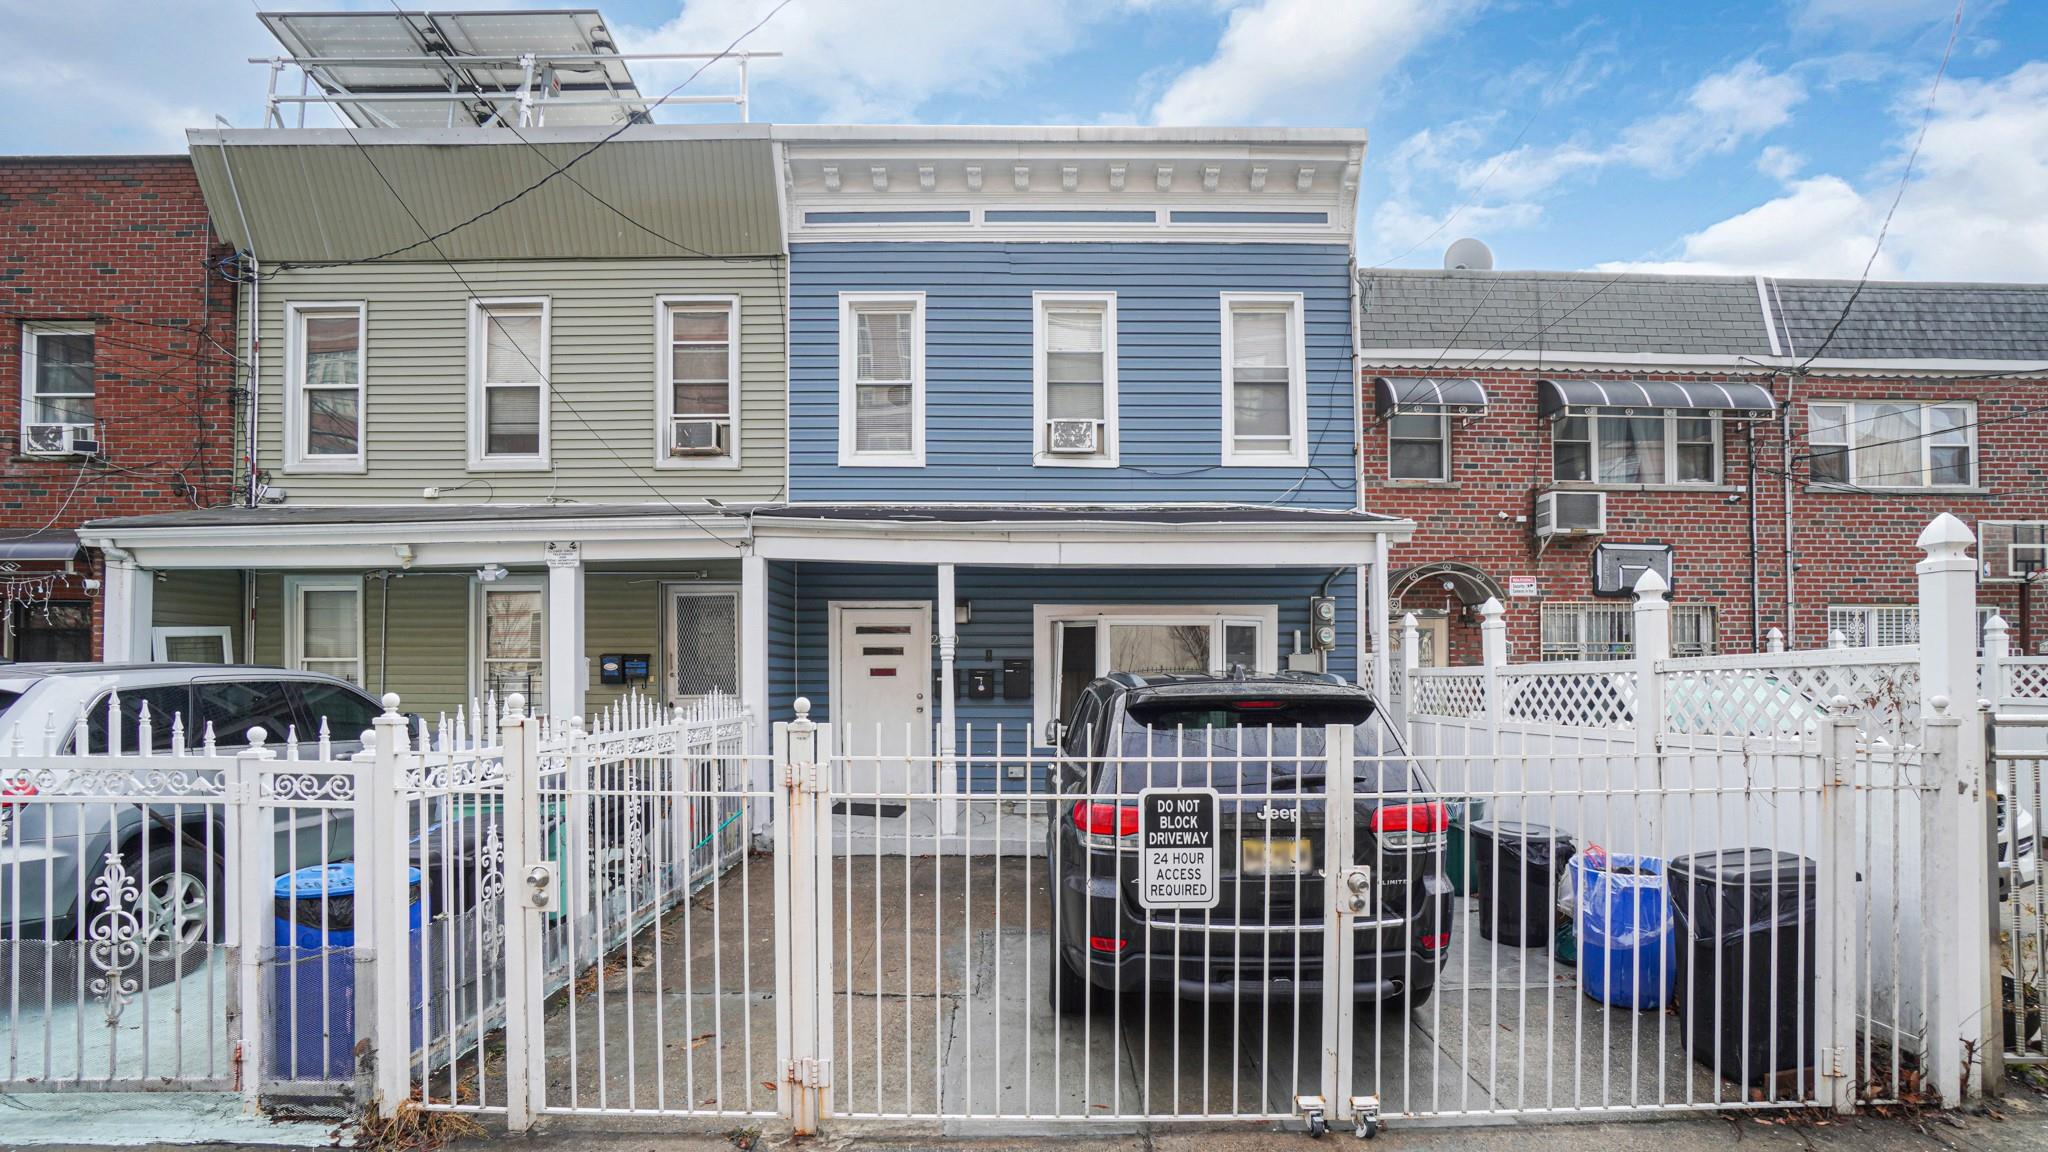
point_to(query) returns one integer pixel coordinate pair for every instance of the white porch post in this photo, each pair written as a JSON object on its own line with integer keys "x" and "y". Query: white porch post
{"x": 128, "y": 595}
{"x": 1956, "y": 894}
{"x": 949, "y": 641}
{"x": 754, "y": 674}
{"x": 568, "y": 674}
{"x": 1376, "y": 604}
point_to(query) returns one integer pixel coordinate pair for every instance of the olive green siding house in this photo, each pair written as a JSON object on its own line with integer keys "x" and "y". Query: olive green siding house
{"x": 502, "y": 390}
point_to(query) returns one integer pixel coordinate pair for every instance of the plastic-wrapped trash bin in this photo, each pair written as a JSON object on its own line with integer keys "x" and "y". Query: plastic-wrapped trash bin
{"x": 1745, "y": 965}
{"x": 1459, "y": 862}
{"x": 313, "y": 972}
{"x": 1518, "y": 865}
{"x": 1624, "y": 929}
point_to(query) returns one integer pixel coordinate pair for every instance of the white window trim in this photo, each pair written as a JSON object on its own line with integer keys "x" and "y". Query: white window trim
{"x": 849, "y": 338}
{"x": 1443, "y": 437}
{"x": 481, "y": 460}
{"x": 1925, "y": 439}
{"x": 295, "y": 588}
{"x": 32, "y": 333}
{"x": 477, "y": 588}
{"x": 295, "y": 458}
{"x": 664, "y": 380}
{"x": 1296, "y": 455}
{"x": 159, "y": 640}
{"x": 1044, "y": 657}
{"x": 1671, "y": 417}
{"x": 1108, "y": 451}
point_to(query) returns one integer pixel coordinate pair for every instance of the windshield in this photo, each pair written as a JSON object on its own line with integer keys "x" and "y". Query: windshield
{"x": 1252, "y": 743}
{"x": 7, "y": 698}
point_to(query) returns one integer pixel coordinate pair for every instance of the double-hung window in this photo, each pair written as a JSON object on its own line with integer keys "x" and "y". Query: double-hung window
{"x": 324, "y": 626}
{"x": 1633, "y": 446}
{"x": 56, "y": 387}
{"x": 508, "y": 400}
{"x": 1892, "y": 443}
{"x": 881, "y": 379}
{"x": 698, "y": 385}
{"x": 324, "y": 393}
{"x": 1265, "y": 404}
{"x": 1074, "y": 378}
{"x": 1419, "y": 446}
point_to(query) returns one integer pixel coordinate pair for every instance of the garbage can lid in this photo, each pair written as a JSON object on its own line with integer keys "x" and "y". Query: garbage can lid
{"x": 331, "y": 880}
{"x": 1743, "y": 865}
{"x": 1520, "y": 830}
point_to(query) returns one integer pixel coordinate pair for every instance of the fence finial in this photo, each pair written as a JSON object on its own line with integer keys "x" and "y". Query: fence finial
{"x": 803, "y": 708}
{"x": 515, "y": 704}
{"x": 1650, "y": 585}
{"x": 257, "y": 736}
{"x": 1939, "y": 704}
{"x": 1840, "y": 705}
{"x": 1774, "y": 640}
{"x": 390, "y": 702}
{"x": 1945, "y": 535}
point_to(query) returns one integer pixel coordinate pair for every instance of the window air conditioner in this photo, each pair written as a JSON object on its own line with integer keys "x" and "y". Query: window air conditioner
{"x": 701, "y": 437}
{"x": 1564, "y": 513}
{"x": 1072, "y": 437}
{"x": 61, "y": 439}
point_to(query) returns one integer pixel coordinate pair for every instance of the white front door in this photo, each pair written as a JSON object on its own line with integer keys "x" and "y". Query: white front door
{"x": 881, "y": 684}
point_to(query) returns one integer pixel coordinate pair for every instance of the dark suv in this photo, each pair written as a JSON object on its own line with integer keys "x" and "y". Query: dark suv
{"x": 1259, "y": 742}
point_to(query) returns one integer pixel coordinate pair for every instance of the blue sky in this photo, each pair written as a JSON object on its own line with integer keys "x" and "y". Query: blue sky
{"x": 1766, "y": 136}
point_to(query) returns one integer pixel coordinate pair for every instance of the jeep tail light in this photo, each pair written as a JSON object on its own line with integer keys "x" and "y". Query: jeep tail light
{"x": 1406, "y": 826}
{"x": 1112, "y": 827}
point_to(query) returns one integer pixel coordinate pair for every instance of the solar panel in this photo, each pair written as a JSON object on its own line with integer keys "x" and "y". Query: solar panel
{"x": 422, "y": 70}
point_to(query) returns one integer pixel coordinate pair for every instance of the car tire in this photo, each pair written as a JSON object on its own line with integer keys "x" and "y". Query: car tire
{"x": 161, "y": 930}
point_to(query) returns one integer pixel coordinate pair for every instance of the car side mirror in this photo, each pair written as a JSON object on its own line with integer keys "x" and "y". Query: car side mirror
{"x": 1053, "y": 731}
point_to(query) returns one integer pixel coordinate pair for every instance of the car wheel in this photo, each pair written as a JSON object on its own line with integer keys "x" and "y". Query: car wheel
{"x": 151, "y": 926}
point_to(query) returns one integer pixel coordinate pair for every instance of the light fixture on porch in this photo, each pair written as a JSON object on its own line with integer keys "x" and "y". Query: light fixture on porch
{"x": 404, "y": 554}
{"x": 963, "y": 611}
{"x": 491, "y": 573}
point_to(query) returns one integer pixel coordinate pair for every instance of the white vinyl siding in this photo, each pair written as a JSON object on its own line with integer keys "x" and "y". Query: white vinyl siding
{"x": 1073, "y": 371}
{"x": 1631, "y": 446}
{"x": 881, "y": 379}
{"x": 1892, "y": 443}
{"x": 509, "y": 389}
{"x": 325, "y": 400}
{"x": 697, "y": 391}
{"x": 1265, "y": 407}
{"x": 57, "y": 386}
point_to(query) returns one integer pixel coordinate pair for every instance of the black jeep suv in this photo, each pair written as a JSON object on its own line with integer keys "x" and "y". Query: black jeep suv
{"x": 1259, "y": 742}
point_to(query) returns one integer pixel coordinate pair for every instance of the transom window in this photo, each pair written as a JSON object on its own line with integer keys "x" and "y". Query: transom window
{"x": 324, "y": 362}
{"x": 1074, "y": 369}
{"x": 1419, "y": 446}
{"x": 881, "y": 379}
{"x": 1892, "y": 443}
{"x": 1264, "y": 401}
{"x": 509, "y": 366}
{"x": 1634, "y": 446}
{"x": 700, "y": 383}
{"x": 1606, "y": 630}
{"x": 56, "y": 387}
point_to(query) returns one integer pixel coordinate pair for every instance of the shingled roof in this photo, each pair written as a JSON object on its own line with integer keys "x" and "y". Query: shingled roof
{"x": 1679, "y": 316}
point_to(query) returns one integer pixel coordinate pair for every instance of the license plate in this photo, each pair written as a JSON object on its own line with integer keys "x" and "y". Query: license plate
{"x": 1275, "y": 857}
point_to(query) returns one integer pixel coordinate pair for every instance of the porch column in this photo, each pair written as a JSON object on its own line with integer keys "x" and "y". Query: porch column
{"x": 127, "y": 595}
{"x": 1376, "y": 604}
{"x": 949, "y": 641}
{"x": 568, "y": 669}
{"x": 754, "y": 647}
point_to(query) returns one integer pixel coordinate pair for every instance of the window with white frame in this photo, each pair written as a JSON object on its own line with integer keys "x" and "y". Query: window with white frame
{"x": 1419, "y": 446}
{"x": 881, "y": 379}
{"x": 1892, "y": 443}
{"x": 192, "y": 644}
{"x": 510, "y": 634}
{"x": 56, "y": 387}
{"x": 324, "y": 626}
{"x": 1074, "y": 361}
{"x": 508, "y": 400}
{"x": 699, "y": 382}
{"x": 1633, "y": 446}
{"x": 1264, "y": 380}
{"x": 1885, "y": 625}
{"x": 1606, "y": 630}
{"x": 324, "y": 396}
{"x": 1076, "y": 643}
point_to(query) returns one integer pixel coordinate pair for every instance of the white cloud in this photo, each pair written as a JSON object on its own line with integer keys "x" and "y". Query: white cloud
{"x": 1779, "y": 162}
{"x": 1302, "y": 61}
{"x": 1971, "y": 210}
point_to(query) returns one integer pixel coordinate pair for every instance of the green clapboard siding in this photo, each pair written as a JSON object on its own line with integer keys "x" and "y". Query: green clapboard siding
{"x": 427, "y": 663}
{"x": 602, "y": 369}
{"x": 194, "y": 598}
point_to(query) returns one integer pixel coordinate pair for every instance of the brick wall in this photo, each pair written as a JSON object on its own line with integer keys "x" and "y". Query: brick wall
{"x": 121, "y": 243}
{"x": 1849, "y": 547}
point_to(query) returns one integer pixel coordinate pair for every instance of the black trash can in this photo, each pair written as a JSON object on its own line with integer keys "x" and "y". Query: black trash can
{"x": 1745, "y": 960}
{"x": 1518, "y": 868}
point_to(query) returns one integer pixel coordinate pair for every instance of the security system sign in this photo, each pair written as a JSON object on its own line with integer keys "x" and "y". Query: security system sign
{"x": 1178, "y": 846}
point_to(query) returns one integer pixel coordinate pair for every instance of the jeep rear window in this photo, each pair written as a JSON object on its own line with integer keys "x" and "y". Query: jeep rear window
{"x": 7, "y": 699}
{"x": 1228, "y": 744}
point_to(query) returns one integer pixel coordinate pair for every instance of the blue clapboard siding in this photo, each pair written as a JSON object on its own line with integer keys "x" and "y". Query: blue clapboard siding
{"x": 1002, "y": 600}
{"x": 978, "y": 369}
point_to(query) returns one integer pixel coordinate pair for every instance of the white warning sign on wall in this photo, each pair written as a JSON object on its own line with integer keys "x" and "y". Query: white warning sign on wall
{"x": 1178, "y": 848}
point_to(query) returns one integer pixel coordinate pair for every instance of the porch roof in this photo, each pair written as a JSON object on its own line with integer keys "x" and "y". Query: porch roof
{"x": 1061, "y": 515}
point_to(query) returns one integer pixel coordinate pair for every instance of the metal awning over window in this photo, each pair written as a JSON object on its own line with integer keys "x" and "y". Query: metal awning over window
{"x": 1734, "y": 397}
{"x": 50, "y": 546}
{"x": 1399, "y": 395}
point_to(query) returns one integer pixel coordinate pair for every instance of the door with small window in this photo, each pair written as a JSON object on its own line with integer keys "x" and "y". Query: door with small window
{"x": 1085, "y": 647}
{"x": 702, "y": 627}
{"x": 511, "y": 636}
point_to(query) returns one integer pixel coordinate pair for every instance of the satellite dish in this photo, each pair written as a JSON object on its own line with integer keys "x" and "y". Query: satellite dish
{"x": 1468, "y": 255}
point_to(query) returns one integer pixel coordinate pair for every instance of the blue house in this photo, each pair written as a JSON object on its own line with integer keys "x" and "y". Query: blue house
{"x": 1063, "y": 401}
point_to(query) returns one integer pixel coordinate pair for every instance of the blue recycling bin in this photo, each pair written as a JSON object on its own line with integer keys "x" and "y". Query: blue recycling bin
{"x": 1624, "y": 929}
{"x": 313, "y": 972}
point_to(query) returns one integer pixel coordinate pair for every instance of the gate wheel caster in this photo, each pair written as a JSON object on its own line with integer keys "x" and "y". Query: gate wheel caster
{"x": 1316, "y": 1113}
{"x": 1368, "y": 1127}
{"x": 1365, "y": 1111}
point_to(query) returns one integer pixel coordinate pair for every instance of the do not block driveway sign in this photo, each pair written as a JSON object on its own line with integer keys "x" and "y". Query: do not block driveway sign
{"x": 1178, "y": 846}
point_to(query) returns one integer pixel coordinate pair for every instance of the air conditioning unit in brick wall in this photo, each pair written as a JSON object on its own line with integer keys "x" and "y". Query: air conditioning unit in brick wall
{"x": 1569, "y": 513}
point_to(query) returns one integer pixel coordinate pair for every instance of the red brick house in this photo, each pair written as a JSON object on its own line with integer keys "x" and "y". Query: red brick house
{"x": 117, "y": 376}
{"x": 1774, "y": 457}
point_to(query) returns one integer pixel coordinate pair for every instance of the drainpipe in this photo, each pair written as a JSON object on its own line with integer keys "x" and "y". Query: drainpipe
{"x": 255, "y": 366}
{"x": 1785, "y": 481}
{"x": 1756, "y": 595}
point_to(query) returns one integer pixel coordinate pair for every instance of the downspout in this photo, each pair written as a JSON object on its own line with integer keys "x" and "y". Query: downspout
{"x": 255, "y": 366}
{"x": 1756, "y": 594}
{"x": 383, "y": 626}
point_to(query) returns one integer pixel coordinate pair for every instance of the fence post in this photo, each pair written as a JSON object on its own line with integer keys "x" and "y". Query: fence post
{"x": 1997, "y": 650}
{"x": 1652, "y": 648}
{"x": 252, "y": 853}
{"x": 1411, "y": 659}
{"x": 1493, "y": 654}
{"x": 381, "y": 866}
{"x": 1955, "y": 902}
{"x": 519, "y": 826}
{"x": 1834, "y": 1019}
{"x": 1774, "y": 640}
{"x": 803, "y": 935}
